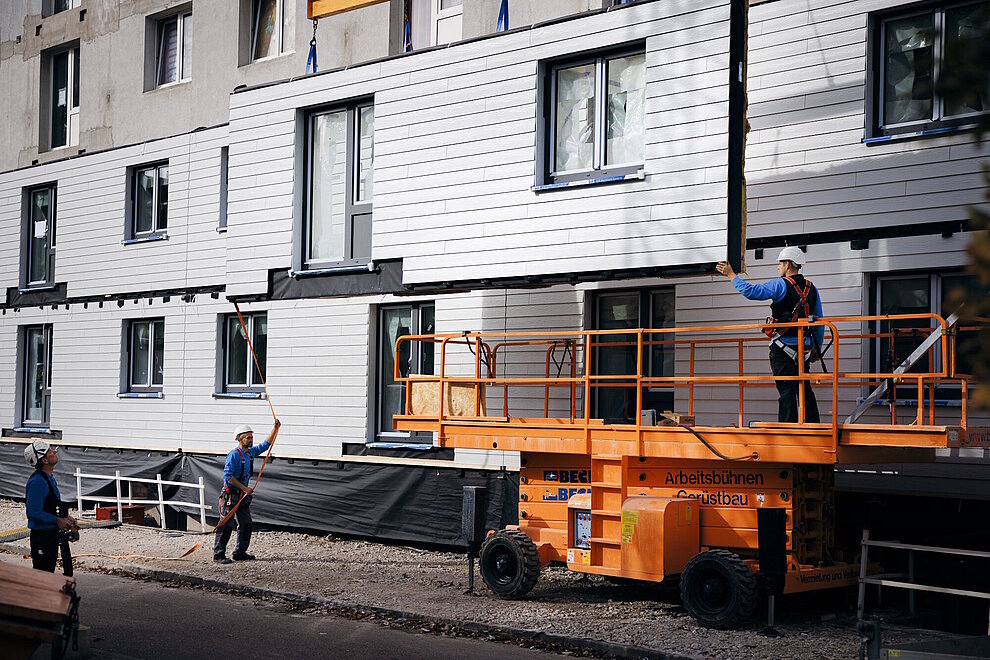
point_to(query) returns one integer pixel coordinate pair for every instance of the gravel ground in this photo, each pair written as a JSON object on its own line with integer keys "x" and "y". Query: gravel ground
{"x": 357, "y": 574}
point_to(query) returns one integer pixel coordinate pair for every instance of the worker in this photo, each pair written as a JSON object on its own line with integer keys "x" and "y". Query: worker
{"x": 793, "y": 298}
{"x": 42, "y": 503}
{"x": 237, "y": 472}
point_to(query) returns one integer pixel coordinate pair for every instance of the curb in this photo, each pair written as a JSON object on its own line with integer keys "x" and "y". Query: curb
{"x": 351, "y": 610}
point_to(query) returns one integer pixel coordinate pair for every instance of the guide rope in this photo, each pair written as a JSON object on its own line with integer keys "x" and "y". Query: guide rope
{"x": 233, "y": 509}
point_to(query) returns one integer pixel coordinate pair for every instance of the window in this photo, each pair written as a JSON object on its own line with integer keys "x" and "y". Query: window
{"x": 616, "y": 354}
{"x": 432, "y": 22}
{"x": 173, "y": 53}
{"x": 149, "y": 201}
{"x": 240, "y": 374}
{"x": 37, "y": 378}
{"x": 921, "y": 56}
{"x": 39, "y": 237}
{"x": 224, "y": 157}
{"x": 340, "y": 187}
{"x": 923, "y": 293}
{"x": 146, "y": 355}
{"x": 51, "y": 7}
{"x": 416, "y": 358}
{"x": 273, "y": 28}
{"x": 595, "y": 117}
{"x": 62, "y": 97}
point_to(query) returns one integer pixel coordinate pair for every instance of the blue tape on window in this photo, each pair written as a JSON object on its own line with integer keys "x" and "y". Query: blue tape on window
{"x": 398, "y": 445}
{"x": 32, "y": 429}
{"x": 238, "y": 395}
{"x": 590, "y": 182}
{"x": 140, "y": 395}
{"x": 145, "y": 239}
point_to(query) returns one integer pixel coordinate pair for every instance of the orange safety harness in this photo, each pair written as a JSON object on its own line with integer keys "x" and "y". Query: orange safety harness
{"x": 233, "y": 509}
{"x": 802, "y": 303}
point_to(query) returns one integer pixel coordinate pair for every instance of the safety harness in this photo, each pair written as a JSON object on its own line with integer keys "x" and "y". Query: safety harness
{"x": 801, "y": 309}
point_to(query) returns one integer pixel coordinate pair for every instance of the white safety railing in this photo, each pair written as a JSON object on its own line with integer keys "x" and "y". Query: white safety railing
{"x": 120, "y": 500}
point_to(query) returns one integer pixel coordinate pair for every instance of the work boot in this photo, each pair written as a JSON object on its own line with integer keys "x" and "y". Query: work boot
{"x": 242, "y": 556}
{"x": 222, "y": 560}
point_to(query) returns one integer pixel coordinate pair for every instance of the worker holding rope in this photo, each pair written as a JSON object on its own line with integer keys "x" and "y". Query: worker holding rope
{"x": 237, "y": 472}
{"x": 43, "y": 503}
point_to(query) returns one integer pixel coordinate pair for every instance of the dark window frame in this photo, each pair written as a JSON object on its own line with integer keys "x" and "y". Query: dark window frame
{"x": 358, "y": 215}
{"x": 547, "y": 129}
{"x": 47, "y": 330}
{"x": 417, "y": 356}
{"x": 653, "y": 397}
{"x": 877, "y": 362}
{"x": 224, "y": 185}
{"x": 151, "y": 386}
{"x": 228, "y": 322}
{"x": 28, "y": 221}
{"x": 159, "y": 226}
{"x": 939, "y": 122}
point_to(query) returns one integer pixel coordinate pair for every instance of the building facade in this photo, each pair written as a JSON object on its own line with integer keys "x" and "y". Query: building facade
{"x": 164, "y": 159}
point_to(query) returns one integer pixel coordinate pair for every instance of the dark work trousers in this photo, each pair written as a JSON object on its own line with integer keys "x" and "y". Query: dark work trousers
{"x": 243, "y": 520}
{"x": 44, "y": 549}
{"x": 782, "y": 365}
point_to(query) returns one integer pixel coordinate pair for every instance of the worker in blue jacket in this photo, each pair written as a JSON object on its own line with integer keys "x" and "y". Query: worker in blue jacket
{"x": 43, "y": 503}
{"x": 792, "y": 297}
{"x": 237, "y": 472}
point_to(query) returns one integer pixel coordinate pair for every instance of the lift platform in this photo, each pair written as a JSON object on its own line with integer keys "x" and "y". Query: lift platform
{"x": 655, "y": 494}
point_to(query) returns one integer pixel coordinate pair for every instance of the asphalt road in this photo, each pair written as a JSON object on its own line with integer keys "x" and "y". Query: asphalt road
{"x": 134, "y": 619}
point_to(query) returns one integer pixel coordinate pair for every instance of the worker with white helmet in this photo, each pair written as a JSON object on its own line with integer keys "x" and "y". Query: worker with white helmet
{"x": 237, "y": 471}
{"x": 792, "y": 297}
{"x": 43, "y": 502}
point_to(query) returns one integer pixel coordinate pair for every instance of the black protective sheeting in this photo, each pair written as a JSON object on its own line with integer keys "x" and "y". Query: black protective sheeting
{"x": 409, "y": 503}
{"x": 30, "y": 298}
{"x": 385, "y": 278}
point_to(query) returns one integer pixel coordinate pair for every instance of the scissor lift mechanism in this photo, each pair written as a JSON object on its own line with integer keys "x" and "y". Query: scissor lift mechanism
{"x": 642, "y": 501}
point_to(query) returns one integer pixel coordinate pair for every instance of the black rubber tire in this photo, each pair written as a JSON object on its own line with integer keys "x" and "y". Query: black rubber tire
{"x": 718, "y": 589}
{"x": 510, "y": 563}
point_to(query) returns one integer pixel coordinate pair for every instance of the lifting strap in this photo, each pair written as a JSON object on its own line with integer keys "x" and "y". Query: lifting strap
{"x": 503, "y": 17}
{"x": 233, "y": 509}
{"x": 407, "y": 44}
{"x": 311, "y": 60}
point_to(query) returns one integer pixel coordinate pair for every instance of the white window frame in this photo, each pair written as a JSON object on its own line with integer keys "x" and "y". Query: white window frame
{"x": 71, "y": 100}
{"x": 180, "y": 21}
{"x": 230, "y": 323}
{"x": 599, "y": 168}
{"x": 439, "y": 14}
{"x": 150, "y": 385}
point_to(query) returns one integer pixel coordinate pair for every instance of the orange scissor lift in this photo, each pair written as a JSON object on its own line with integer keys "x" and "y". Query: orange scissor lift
{"x": 647, "y": 500}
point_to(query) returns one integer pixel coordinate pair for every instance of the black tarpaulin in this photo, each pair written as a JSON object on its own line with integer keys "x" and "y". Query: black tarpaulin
{"x": 385, "y": 278}
{"x": 409, "y": 503}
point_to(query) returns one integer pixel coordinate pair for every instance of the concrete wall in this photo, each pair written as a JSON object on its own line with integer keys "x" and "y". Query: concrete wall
{"x": 114, "y": 108}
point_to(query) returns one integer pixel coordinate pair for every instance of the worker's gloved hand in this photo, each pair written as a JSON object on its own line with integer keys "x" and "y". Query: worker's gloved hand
{"x": 278, "y": 423}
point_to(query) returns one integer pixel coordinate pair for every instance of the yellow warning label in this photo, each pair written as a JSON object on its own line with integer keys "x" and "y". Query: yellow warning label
{"x": 586, "y": 557}
{"x": 631, "y": 517}
{"x": 629, "y": 522}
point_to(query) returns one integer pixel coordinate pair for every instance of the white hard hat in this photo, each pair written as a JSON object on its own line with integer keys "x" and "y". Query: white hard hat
{"x": 241, "y": 430}
{"x": 793, "y": 254}
{"x": 36, "y": 451}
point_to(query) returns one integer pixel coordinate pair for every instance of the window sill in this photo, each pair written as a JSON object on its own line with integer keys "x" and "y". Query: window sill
{"x": 931, "y": 132}
{"x": 33, "y": 429}
{"x": 400, "y": 445}
{"x": 34, "y": 288}
{"x": 333, "y": 270}
{"x": 171, "y": 85}
{"x": 145, "y": 239}
{"x": 270, "y": 58}
{"x": 221, "y": 230}
{"x": 239, "y": 395}
{"x": 640, "y": 175}
{"x": 140, "y": 395}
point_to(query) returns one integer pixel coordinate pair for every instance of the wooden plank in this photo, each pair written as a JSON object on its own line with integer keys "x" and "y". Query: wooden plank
{"x": 323, "y": 8}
